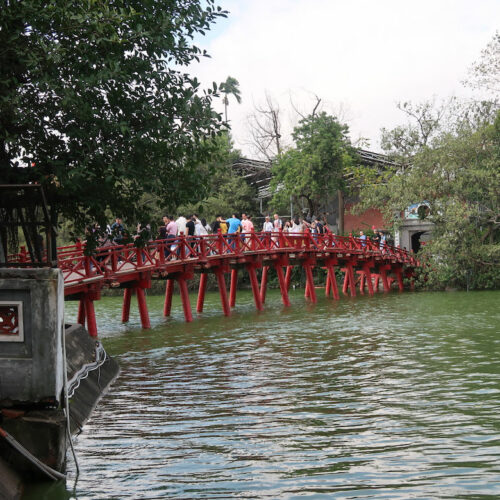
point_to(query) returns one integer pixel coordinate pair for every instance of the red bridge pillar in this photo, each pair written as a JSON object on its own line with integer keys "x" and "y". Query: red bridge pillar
{"x": 169, "y": 291}
{"x": 219, "y": 273}
{"x": 127, "y": 294}
{"x": 283, "y": 289}
{"x": 368, "y": 276}
{"x": 263, "y": 284}
{"x": 186, "y": 305}
{"x": 310, "y": 282}
{"x": 81, "y": 312}
{"x": 143, "y": 308}
{"x": 232, "y": 288}
{"x": 255, "y": 285}
{"x": 201, "y": 292}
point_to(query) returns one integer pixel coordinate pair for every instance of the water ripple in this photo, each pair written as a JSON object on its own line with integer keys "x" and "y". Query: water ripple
{"x": 395, "y": 396}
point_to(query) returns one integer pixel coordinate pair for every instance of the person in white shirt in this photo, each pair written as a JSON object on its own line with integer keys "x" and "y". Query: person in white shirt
{"x": 296, "y": 226}
{"x": 277, "y": 223}
{"x": 181, "y": 225}
{"x": 268, "y": 225}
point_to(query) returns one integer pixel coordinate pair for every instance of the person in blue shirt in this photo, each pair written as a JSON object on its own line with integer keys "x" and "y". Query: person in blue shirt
{"x": 362, "y": 237}
{"x": 233, "y": 224}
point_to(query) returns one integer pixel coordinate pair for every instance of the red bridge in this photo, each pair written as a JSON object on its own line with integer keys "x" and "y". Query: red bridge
{"x": 362, "y": 263}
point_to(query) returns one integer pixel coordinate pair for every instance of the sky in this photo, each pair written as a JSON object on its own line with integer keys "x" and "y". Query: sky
{"x": 360, "y": 57}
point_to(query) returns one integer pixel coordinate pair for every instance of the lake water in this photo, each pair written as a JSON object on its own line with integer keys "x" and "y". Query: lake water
{"x": 393, "y": 396}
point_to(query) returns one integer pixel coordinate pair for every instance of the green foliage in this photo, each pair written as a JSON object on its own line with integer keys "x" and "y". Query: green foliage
{"x": 227, "y": 191}
{"x": 314, "y": 169}
{"x": 94, "y": 93}
{"x": 459, "y": 176}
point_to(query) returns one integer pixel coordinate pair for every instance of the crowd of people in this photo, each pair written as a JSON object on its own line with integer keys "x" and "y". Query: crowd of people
{"x": 194, "y": 226}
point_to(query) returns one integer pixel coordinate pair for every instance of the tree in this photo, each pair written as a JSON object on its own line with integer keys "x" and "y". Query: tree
{"x": 94, "y": 95}
{"x": 228, "y": 191}
{"x": 230, "y": 87}
{"x": 485, "y": 73}
{"x": 314, "y": 169}
{"x": 265, "y": 129}
{"x": 459, "y": 178}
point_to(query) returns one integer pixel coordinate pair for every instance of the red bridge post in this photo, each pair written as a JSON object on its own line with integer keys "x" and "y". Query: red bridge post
{"x": 219, "y": 273}
{"x": 310, "y": 282}
{"x": 186, "y": 305}
{"x": 255, "y": 285}
{"x": 288, "y": 277}
{"x": 90, "y": 313}
{"x": 81, "y": 312}
{"x": 281, "y": 278}
{"x": 232, "y": 289}
{"x": 201, "y": 292}
{"x": 169, "y": 291}
{"x": 368, "y": 276}
{"x": 127, "y": 295}
{"x": 143, "y": 308}
{"x": 263, "y": 284}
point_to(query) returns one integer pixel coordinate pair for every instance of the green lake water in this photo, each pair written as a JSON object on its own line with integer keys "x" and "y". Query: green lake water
{"x": 393, "y": 396}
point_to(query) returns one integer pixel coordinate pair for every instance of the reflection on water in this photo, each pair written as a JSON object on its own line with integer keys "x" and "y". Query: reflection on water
{"x": 394, "y": 396}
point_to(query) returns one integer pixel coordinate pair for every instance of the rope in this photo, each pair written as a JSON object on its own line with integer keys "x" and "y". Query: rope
{"x": 85, "y": 370}
{"x": 53, "y": 474}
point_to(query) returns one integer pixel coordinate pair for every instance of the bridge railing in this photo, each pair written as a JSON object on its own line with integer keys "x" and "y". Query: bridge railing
{"x": 112, "y": 260}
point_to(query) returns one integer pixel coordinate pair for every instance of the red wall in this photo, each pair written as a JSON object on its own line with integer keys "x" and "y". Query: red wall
{"x": 366, "y": 220}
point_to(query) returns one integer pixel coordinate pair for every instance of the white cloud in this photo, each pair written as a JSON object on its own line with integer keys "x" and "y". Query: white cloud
{"x": 365, "y": 55}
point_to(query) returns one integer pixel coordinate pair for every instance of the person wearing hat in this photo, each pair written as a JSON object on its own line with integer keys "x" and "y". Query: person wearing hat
{"x": 268, "y": 225}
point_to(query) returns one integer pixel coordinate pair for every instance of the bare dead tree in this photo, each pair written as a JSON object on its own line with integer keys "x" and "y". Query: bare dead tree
{"x": 265, "y": 129}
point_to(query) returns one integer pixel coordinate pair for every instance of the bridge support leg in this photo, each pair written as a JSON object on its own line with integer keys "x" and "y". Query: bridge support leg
{"x": 385, "y": 281}
{"x": 232, "y": 289}
{"x": 377, "y": 281}
{"x": 282, "y": 282}
{"x": 263, "y": 284}
{"x": 81, "y": 312}
{"x": 366, "y": 269}
{"x": 201, "y": 292}
{"x": 399, "y": 276}
{"x": 352, "y": 281}
{"x": 307, "y": 293}
{"x": 169, "y": 291}
{"x": 143, "y": 308}
{"x": 288, "y": 277}
{"x": 333, "y": 282}
{"x": 186, "y": 305}
{"x": 90, "y": 313}
{"x": 327, "y": 284}
{"x": 345, "y": 286}
{"x": 127, "y": 295}
{"x": 219, "y": 273}
{"x": 362, "y": 280}
{"x": 310, "y": 283}
{"x": 255, "y": 286}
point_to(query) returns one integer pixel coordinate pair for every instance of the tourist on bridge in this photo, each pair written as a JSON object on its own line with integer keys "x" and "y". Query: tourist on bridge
{"x": 277, "y": 223}
{"x": 234, "y": 224}
{"x": 199, "y": 228}
{"x": 234, "y": 227}
{"x": 246, "y": 227}
{"x": 268, "y": 225}
{"x": 376, "y": 238}
{"x": 362, "y": 237}
{"x": 219, "y": 224}
{"x": 171, "y": 225}
{"x": 117, "y": 231}
{"x": 382, "y": 241}
{"x": 297, "y": 226}
{"x": 181, "y": 225}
